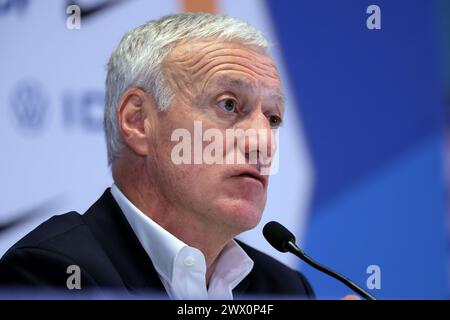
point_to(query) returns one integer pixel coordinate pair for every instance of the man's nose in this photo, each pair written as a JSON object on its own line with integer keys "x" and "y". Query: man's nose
{"x": 259, "y": 143}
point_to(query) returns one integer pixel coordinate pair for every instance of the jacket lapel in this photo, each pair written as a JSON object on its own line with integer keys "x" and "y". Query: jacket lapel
{"x": 110, "y": 227}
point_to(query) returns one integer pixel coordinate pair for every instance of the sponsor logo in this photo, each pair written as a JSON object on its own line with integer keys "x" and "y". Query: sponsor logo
{"x": 29, "y": 105}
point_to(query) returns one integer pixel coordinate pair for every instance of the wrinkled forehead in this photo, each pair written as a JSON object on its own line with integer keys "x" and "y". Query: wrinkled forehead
{"x": 209, "y": 63}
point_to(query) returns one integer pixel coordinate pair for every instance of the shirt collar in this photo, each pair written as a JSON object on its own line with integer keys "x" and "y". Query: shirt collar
{"x": 233, "y": 265}
{"x": 161, "y": 246}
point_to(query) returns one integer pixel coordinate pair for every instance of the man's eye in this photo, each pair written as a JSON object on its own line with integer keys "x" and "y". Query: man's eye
{"x": 229, "y": 105}
{"x": 274, "y": 121}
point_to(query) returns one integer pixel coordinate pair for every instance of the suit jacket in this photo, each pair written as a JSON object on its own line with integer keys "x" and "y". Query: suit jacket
{"x": 110, "y": 257}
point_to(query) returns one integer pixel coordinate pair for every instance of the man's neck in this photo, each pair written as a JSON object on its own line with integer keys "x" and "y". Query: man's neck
{"x": 184, "y": 225}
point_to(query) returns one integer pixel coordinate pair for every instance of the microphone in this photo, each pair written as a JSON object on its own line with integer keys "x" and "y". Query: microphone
{"x": 283, "y": 240}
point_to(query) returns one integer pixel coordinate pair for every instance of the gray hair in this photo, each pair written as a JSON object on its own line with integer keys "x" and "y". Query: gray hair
{"x": 136, "y": 62}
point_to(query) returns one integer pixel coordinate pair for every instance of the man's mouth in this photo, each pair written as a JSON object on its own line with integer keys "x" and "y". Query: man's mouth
{"x": 252, "y": 174}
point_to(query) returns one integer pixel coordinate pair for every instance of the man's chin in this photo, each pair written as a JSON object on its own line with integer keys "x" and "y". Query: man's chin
{"x": 242, "y": 217}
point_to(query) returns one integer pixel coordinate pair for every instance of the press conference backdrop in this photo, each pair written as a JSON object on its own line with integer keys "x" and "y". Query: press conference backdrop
{"x": 362, "y": 178}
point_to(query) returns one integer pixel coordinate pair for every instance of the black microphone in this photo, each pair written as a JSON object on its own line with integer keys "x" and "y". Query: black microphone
{"x": 283, "y": 240}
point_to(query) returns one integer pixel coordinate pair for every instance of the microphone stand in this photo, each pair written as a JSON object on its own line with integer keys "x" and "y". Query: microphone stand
{"x": 294, "y": 249}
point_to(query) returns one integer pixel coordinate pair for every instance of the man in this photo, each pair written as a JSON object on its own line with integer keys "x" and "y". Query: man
{"x": 168, "y": 223}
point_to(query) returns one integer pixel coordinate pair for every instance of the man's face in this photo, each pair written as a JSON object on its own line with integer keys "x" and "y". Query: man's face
{"x": 220, "y": 86}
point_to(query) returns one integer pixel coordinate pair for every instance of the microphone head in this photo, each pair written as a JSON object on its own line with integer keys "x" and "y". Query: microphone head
{"x": 277, "y": 235}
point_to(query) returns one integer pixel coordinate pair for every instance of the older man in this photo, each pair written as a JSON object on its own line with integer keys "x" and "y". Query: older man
{"x": 169, "y": 225}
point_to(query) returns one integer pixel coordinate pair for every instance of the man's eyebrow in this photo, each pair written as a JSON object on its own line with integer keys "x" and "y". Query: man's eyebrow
{"x": 232, "y": 82}
{"x": 280, "y": 98}
{"x": 238, "y": 83}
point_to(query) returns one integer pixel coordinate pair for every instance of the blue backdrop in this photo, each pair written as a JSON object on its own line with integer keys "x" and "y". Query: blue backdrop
{"x": 372, "y": 108}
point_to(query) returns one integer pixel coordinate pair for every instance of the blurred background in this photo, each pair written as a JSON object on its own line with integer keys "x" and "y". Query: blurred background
{"x": 364, "y": 152}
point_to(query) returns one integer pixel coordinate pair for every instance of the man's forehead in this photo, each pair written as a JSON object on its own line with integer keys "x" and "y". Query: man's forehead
{"x": 200, "y": 52}
{"x": 227, "y": 64}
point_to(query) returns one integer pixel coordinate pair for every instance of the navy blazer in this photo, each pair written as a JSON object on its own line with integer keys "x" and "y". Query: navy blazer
{"x": 110, "y": 257}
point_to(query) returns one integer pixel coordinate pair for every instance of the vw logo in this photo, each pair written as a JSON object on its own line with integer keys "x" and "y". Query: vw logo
{"x": 29, "y": 105}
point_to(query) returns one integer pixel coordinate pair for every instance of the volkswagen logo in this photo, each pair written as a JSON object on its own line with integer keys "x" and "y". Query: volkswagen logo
{"x": 29, "y": 105}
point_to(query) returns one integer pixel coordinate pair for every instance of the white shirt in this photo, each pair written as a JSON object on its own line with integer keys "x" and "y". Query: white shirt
{"x": 181, "y": 268}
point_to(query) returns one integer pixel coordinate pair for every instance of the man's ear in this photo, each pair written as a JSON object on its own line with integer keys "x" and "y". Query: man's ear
{"x": 131, "y": 117}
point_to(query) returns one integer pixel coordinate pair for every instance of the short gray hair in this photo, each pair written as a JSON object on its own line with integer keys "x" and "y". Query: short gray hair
{"x": 136, "y": 62}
